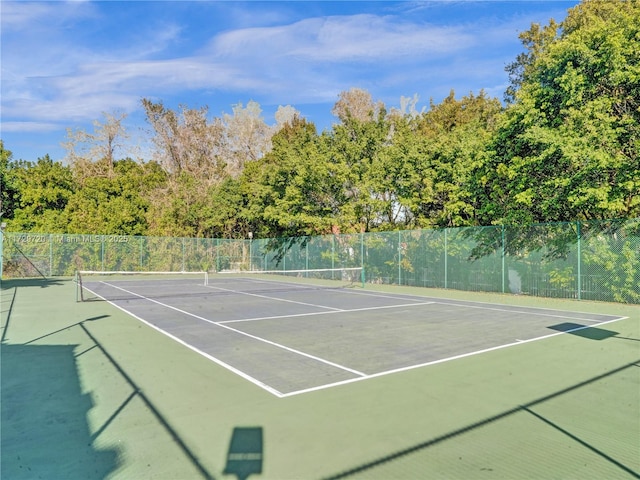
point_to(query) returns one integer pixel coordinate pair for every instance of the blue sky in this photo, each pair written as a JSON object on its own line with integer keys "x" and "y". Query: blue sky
{"x": 64, "y": 63}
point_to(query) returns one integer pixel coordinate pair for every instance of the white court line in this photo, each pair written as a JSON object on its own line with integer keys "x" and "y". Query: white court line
{"x": 284, "y": 347}
{"x": 489, "y": 305}
{"x": 361, "y": 376}
{"x": 442, "y": 360}
{"x": 461, "y": 303}
{"x": 224, "y": 322}
{"x": 239, "y": 292}
{"x": 246, "y": 376}
{"x": 445, "y": 301}
{"x": 531, "y": 311}
{"x": 346, "y": 291}
{"x": 293, "y": 350}
{"x": 525, "y": 312}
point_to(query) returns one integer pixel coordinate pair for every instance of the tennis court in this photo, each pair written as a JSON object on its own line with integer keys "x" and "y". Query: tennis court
{"x": 291, "y": 335}
{"x": 216, "y": 377}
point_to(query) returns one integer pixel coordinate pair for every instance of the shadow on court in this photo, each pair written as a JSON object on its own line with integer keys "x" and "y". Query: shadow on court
{"x": 527, "y": 408}
{"x": 245, "y": 454}
{"x": 584, "y": 331}
{"x": 31, "y": 282}
{"x": 45, "y": 433}
{"x": 44, "y": 413}
{"x": 136, "y": 391}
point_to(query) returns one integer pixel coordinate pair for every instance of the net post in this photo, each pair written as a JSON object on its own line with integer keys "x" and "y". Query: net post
{"x": 362, "y": 276}
{"x": 79, "y": 292}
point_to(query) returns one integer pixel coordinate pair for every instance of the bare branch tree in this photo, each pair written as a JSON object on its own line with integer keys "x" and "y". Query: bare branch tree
{"x": 108, "y": 136}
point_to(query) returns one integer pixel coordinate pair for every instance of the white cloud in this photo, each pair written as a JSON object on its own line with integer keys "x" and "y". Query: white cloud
{"x": 49, "y": 75}
{"x": 287, "y": 63}
{"x": 340, "y": 39}
{"x": 25, "y": 16}
{"x": 29, "y": 126}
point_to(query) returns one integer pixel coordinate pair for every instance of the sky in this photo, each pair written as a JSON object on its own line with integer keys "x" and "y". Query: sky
{"x": 65, "y": 64}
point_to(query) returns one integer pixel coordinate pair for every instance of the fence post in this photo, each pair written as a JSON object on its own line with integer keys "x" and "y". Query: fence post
{"x": 399, "y": 258}
{"x": 362, "y": 257}
{"x": 1, "y": 249}
{"x": 51, "y": 255}
{"x": 102, "y": 252}
{"x": 306, "y": 255}
{"x": 333, "y": 253}
{"x": 579, "y": 233}
{"x": 140, "y": 263}
{"x": 183, "y": 253}
{"x": 446, "y": 254}
{"x": 503, "y": 259}
{"x": 217, "y": 254}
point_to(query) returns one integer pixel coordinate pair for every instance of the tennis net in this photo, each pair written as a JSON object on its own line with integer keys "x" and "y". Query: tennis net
{"x": 89, "y": 283}
{"x": 352, "y": 275}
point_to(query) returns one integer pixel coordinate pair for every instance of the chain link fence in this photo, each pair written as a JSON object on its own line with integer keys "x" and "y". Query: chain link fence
{"x": 594, "y": 260}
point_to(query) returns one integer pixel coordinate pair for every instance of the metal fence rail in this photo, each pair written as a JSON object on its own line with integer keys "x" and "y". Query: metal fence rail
{"x": 595, "y": 260}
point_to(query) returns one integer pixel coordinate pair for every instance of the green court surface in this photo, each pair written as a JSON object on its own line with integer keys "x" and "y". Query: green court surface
{"x": 100, "y": 389}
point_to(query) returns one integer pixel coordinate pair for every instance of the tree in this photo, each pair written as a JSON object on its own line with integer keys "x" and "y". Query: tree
{"x": 456, "y": 133}
{"x": 355, "y": 148}
{"x": 187, "y": 141}
{"x": 117, "y": 204}
{"x": 285, "y": 115}
{"x": 247, "y": 137}
{"x": 293, "y": 188}
{"x": 106, "y": 139}
{"x": 356, "y": 104}
{"x": 9, "y": 192}
{"x": 534, "y": 40}
{"x": 45, "y": 189}
{"x": 567, "y": 148}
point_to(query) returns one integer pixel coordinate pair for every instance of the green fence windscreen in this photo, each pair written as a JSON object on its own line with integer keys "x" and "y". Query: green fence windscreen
{"x": 595, "y": 260}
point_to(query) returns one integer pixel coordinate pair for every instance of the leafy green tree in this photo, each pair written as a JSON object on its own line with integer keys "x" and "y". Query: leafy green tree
{"x": 534, "y": 40}
{"x": 9, "y": 192}
{"x": 231, "y": 211}
{"x": 116, "y": 202}
{"x": 45, "y": 188}
{"x": 293, "y": 189}
{"x": 456, "y": 133}
{"x": 183, "y": 207}
{"x": 567, "y": 147}
{"x": 356, "y": 146}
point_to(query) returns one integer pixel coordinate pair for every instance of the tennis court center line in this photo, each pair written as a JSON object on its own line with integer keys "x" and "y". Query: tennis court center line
{"x": 443, "y": 360}
{"x": 333, "y": 312}
{"x": 264, "y": 340}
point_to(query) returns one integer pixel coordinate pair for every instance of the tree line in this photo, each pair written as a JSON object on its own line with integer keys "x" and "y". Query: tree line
{"x": 563, "y": 146}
